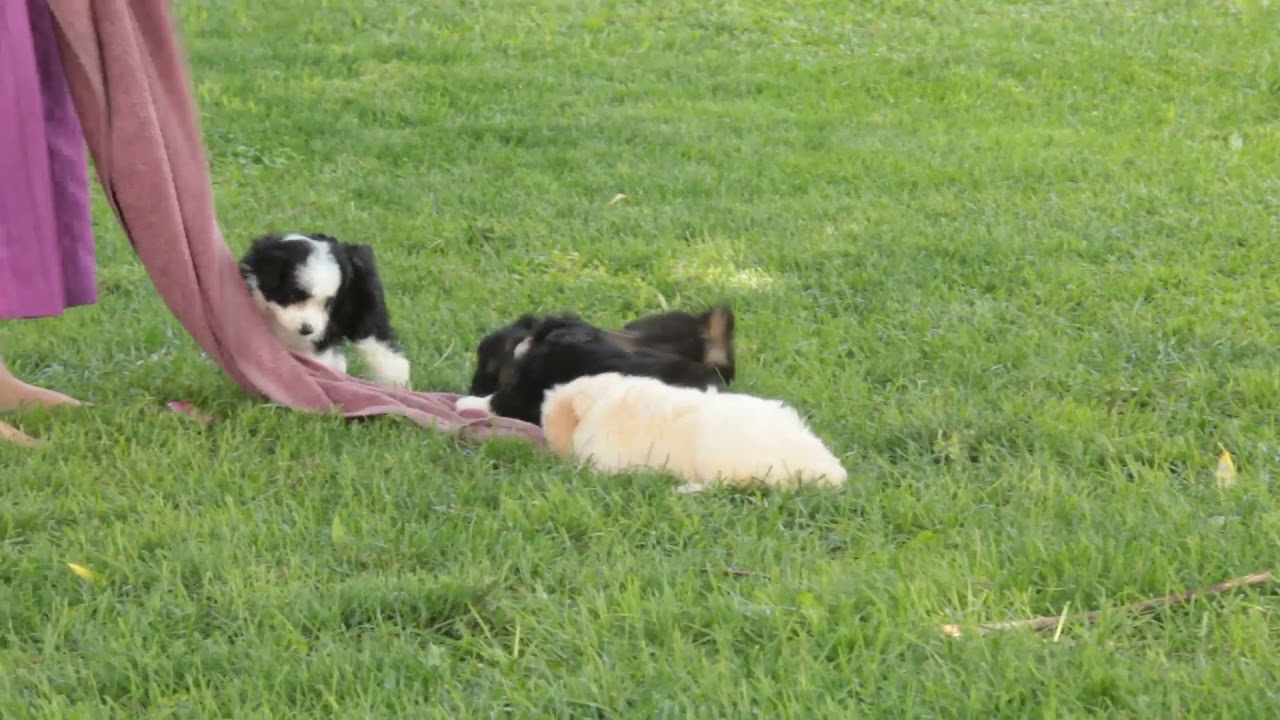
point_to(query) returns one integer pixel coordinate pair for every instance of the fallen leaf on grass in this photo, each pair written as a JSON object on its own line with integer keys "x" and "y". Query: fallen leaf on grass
{"x": 338, "y": 531}
{"x": 83, "y": 573}
{"x": 618, "y": 198}
{"x": 186, "y": 409}
{"x": 1226, "y": 470}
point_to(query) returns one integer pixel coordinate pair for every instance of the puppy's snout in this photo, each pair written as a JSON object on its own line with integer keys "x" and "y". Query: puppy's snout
{"x": 305, "y": 329}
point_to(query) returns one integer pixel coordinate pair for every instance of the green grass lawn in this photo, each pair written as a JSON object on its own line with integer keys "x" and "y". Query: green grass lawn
{"x": 1015, "y": 261}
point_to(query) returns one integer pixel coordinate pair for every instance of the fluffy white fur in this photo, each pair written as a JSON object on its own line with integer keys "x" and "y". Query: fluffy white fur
{"x": 618, "y": 423}
{"x": 471, "y": 402}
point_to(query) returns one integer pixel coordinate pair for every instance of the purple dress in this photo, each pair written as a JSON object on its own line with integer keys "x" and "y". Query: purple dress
{"x": 46, "y": 239}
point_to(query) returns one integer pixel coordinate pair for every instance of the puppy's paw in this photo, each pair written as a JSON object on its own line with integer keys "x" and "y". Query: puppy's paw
{"x": 690, "y": 489}
{"x": 471, "y": 402}
{"x": 393, "y": 371}
{"x": 334, "y": 358}
{"x": 386, "y": 365}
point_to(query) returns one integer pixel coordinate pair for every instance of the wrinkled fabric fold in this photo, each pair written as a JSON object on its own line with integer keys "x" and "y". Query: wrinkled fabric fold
{"x": 129, "y": 81}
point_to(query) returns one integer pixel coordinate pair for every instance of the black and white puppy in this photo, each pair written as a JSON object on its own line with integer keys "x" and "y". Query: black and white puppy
{"x": 562, "y": 349}
{"x": 318, "y": 294}
{"x": 705, "y": 337}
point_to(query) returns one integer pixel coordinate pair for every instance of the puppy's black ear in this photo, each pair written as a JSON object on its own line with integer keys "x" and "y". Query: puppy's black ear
{"x": 266, "y": 262}
{"x": 364, "y": 270}
{"x": 361, "y": 257}
{"x": 552, "y": 323}
{"x": 365, "y": 280}
{"x": 508, "y": 371}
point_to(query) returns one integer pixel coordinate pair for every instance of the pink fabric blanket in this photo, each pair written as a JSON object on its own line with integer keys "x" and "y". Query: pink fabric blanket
{"x": 128, "y": 77}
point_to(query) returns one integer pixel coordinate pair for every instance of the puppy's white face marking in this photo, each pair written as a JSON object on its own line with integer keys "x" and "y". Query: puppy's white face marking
{"x": 271, "y": 312}
{"x": 473, "y": 403}
{"x": 522, "y": 348}
{"x": 319, "y": 277}
{"x": 385, "y": 364}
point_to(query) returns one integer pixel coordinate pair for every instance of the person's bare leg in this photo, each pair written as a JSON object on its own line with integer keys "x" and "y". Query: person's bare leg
{"x": 14, "y": 393}
{"x": 9, "y": 433}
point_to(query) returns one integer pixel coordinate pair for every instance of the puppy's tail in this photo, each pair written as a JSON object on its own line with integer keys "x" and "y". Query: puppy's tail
{"x": 717, "y": 328}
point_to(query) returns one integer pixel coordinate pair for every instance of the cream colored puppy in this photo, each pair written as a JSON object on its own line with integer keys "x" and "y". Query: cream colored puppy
{"x": 620, "y": 422}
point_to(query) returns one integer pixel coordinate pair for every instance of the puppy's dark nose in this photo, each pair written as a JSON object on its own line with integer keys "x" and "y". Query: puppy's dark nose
{"x": 305, "y": 329}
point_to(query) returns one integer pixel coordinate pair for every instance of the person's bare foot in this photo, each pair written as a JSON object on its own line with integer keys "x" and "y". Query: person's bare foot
{"x": 15, "y": 394}
{"x": 9, "y": 433}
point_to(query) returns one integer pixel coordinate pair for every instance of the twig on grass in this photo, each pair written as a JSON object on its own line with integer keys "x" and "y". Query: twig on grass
{"x": 735, "y": 572}
{"x": 1055, "y": 622}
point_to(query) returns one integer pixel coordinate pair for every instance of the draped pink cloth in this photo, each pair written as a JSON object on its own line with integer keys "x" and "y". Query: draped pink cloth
{"x": 128, "y": 77}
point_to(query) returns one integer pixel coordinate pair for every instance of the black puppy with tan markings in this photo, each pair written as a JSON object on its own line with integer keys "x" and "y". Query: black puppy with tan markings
{"x": 705, "y": 338}
{"x": 562, "y": 349}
